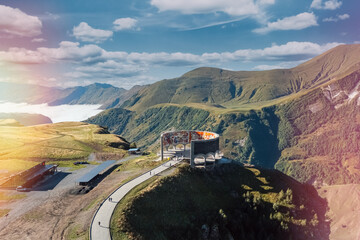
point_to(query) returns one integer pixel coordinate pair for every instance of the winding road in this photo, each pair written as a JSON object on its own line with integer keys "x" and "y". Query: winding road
{"x": 100, "y": 225}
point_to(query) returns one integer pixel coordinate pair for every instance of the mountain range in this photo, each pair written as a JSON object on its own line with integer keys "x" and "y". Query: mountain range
{"x": 302, "y": 121}
{"x": 104, "y": 94}
{"x": 233, "y": 89}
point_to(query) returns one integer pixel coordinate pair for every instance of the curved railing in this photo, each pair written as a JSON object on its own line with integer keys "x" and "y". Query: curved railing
{"x": 202, "y": 142}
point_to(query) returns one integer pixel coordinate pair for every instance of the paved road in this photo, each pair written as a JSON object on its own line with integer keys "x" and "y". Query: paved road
{"x": 103, "y": 215}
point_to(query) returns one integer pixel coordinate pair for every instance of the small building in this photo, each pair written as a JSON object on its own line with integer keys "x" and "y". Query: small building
{"x": 88, "y": 178}
{"x": 29, "y": 177}
{"x": 134, "y": 151}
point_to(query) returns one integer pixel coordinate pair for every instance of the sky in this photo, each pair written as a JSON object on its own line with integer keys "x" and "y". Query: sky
{"x": 136, "y": 42}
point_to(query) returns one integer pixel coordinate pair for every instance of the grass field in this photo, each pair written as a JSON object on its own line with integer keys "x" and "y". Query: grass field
{"x": 23, "y": 147}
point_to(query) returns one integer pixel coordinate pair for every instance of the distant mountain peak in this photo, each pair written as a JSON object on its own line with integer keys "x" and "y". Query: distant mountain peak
{"x": 102, "y": 85}
{"x": 204, "y": 71}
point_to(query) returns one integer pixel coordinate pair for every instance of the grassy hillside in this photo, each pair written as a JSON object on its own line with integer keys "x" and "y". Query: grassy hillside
{"x": 233, "y": 89}
{"x": 312, "y": 135}
{"x": 231, "y": 202}
{"x": 325, "y": 129}
{"x": 210, "y": 85}
{"x": 93, "y": 94}
{"x": 54, "y": 142}
{"x": 26, "y": 119}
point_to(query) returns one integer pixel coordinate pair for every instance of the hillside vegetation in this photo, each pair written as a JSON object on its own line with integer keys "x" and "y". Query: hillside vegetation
{"x": 236, "y": 88}
{"x": 54, "y": 142}
{"x": 230, "y": 202}
{"x": 311, "y": 134}
{"x": 26, "y": 119}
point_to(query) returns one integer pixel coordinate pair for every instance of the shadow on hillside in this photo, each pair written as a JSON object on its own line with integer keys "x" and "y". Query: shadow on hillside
{"x": 244, "y": 203}
{"x": 84, "y": 189}
{"x": 102, "y": 176}
{"x": 51, "y": 182}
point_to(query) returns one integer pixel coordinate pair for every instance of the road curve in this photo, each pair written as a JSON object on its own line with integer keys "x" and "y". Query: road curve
{"x": 100, "y": 225}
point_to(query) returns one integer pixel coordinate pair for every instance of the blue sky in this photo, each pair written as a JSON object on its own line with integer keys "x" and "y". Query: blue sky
{"x": 128, "y": 42}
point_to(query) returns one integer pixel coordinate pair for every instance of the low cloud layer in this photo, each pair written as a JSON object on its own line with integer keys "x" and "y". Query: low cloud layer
{"x": 62, "y": 113}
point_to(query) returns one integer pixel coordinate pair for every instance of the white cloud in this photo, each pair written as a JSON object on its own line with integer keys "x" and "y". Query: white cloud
{"x": 17, "y": 23}
{"x": 60, "y": 113}
{"x": 337, "y": 18}
{"x": 344, "y": 16}
{"x": 298, "y": 22}
{"x": 38, "y": 40}
{"x": 291, "y": 51}
{"x": 327, "y": 5}
{"x": 90, "y": 62}
{"x": 110, "y": 69}
{"x": 76, "y": 74}
{"x": 70, "y": 51}
{"x": 86, "y": 33}
{"x": 52, "y": 16}
{"x": 93, "y": 55}
{"x": 22, "y": 56}
{"x": 231, "y": 7}
{"x": 124, "y": 24}
{"x": 282, "y": 65}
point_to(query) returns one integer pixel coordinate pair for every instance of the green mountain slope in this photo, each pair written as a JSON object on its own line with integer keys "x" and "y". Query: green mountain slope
{"x": 93, "y": 94}
{"x": 26, "y": 119}
{"x": 209, "y": 85}
{"x": 230, "y": 202}
{"x": 312, "y": 135}
{"x": 233, "y": 89}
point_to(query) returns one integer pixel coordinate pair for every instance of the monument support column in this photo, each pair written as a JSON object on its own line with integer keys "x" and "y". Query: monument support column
{"x": 162, "y": 147}
{"x": 192, "y": 163}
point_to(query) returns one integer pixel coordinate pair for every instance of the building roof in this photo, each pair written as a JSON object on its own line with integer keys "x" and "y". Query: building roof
{"x": 94, "y": 172}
